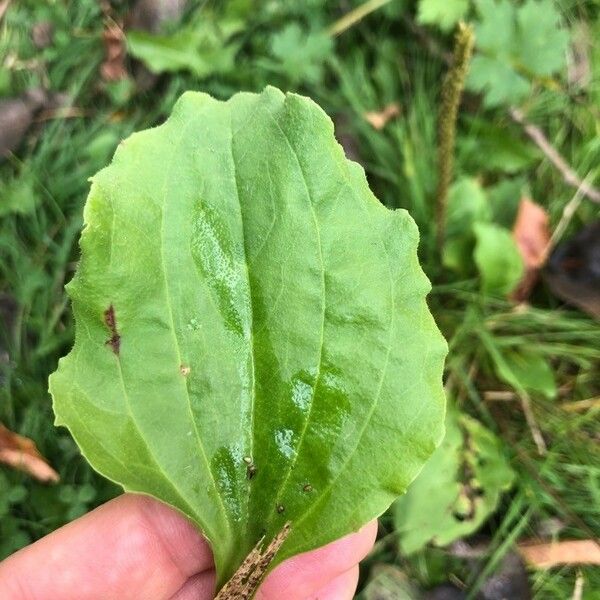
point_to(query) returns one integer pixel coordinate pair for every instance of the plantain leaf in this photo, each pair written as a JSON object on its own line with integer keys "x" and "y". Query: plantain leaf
{"x": 253, "y": 345}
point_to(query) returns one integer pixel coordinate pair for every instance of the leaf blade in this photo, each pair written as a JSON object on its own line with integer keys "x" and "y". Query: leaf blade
{"x": 254, "y": 280}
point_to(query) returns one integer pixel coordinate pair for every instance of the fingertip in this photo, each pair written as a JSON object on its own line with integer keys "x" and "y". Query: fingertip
{"x": 130, "y": 547}
{"x": 300, "y": 576}
{"x": 198, "y": 587}
{"x": 342, "y": 587}
{"x": 179, "y": 537}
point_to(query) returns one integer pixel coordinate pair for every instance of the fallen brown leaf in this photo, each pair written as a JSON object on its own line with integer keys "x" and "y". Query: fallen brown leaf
{"x": 113, "y": 67}
{"x": 531, "y": 232}
{"x": 42, "y": 34}
{"x": 4, "y": 7}
{"x": 151, "y": 15}
{"x": 16, "y": 116}
{"x": 21, "y": 453}
{"x": 548, "y": 555}
{"x": 379, "y": 119}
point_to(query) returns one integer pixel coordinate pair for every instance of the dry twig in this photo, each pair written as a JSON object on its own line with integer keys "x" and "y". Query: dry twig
{"x": 569, "y": 176}
{"x": 536, "y": 433}
{"x": 354, "y": 16}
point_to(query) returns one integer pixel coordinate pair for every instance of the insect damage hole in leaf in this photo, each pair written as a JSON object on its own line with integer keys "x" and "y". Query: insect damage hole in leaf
{"x": 280, "y": 352}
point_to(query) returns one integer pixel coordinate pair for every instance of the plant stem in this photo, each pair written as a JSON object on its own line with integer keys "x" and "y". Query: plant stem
{"x": 246, "y": 580}
{"x": 452, "y": 89}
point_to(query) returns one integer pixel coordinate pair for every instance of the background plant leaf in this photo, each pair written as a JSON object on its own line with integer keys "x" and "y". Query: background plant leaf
{"x": 253, "y": 344}
{"x": 301, "y": 54}
{"x": 457, "y": 490}
{"x": 516, "y": 43}
{"x": 467, "y": 205}
{"x": 202, "y": 49}
{"x": 444, "y": 13}
{"x": 497, "y": 258}
{"x": 525, "y": 370}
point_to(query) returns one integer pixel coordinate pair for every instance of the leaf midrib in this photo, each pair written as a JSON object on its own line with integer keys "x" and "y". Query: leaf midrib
{"x": 251, "y": 304}
{"x": 282, "y": 487}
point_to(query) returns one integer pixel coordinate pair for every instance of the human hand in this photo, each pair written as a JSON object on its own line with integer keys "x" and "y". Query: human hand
{"x": 135, "y": 547}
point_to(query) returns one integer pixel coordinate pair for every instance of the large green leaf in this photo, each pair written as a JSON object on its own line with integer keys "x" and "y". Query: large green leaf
{"x": 253, "y": 344}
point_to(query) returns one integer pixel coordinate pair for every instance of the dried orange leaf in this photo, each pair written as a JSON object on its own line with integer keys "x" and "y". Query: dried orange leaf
{"x": 576, "y": 552}
{"x": 379, "y": 119}
{"x": 21, "y": 453}
{"x": 531, "y": 232}
{"x": 113, "y": 67}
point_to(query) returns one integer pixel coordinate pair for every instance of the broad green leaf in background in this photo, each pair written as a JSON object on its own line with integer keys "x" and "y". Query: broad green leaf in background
{"x": 532, "y": 371}
{"x": 301, "y": 54}
{"x": 525, "y": 370}
{"x": 542, "y": 43}
{"x": 505, "y": 197}
{"x": 444, "y": 13}
{"x": 18, "y": 196}
{"x": 253, "y": 344}
{"x": 497, "y": 258}
{"x": 467, "y": 205}
{"x": 493, "y": 147}
{"x": 202, "y": 48}
{"x": 515, "y": 44}
{"x": 497, "y": 80}
{"x": 458, "y": 489}
{"x": 496, "y": 28}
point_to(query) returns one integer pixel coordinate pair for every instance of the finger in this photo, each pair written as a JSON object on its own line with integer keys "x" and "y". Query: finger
{"x": 198, "y": 587}
{"x": 302, "y": 575}
{"x": 131, "y": 547}
{"x": 340, "y": 588}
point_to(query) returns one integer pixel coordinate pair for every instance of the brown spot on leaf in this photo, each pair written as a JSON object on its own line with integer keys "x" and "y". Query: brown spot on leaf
{"x": 307, "y": 488}
{"x": 110, "y": 321}
{"x": 185, "y": 371}
{"x": 280, "y": 508}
